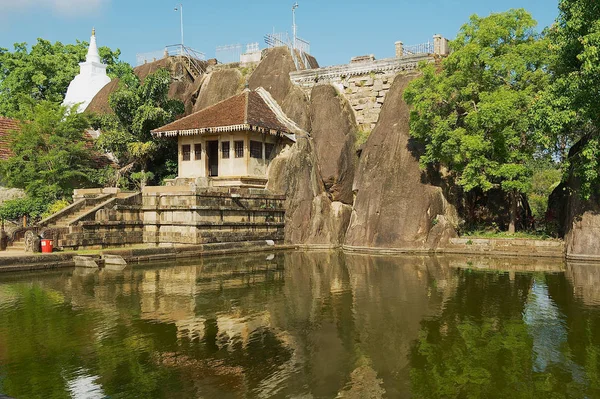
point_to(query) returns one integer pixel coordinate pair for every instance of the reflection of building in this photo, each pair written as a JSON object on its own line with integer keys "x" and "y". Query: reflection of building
{"x": 91, "y": 79}
{"x": 232, "y": 142}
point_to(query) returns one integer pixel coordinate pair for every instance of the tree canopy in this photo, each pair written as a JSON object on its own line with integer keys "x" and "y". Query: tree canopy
{"x": 44, "y": 71}
{"x": 568, "y": 110}
{"x": 51, "y": 155}
{"x": 473, "y": 111}
{"x": 140, "y": 107}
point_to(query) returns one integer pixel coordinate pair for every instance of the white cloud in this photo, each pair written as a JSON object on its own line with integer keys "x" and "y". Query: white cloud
{"x": 69, "y": 7}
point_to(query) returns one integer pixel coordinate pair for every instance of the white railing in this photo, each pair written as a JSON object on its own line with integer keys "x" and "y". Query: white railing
{"x": 170, "y": 51}
{"x": 229, "y": 53}
{"x": 283, "y": 39}
{"x": 423, "y": 48}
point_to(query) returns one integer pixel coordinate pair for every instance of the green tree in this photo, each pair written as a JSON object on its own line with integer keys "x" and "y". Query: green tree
{"x": 139, "y": 108}
{"x": 51, "y": 154}
{"x": 472, "y": 112}
{"x": 568, "y": 110}
{"x": 45, "y": 71}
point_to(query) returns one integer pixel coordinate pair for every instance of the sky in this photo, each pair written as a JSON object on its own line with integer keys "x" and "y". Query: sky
{"x": 337, "y": 30}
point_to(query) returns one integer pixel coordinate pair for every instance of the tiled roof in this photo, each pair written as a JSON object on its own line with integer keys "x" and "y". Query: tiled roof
{"x": 6, "y": 127}
{"x": 246, "y": 111}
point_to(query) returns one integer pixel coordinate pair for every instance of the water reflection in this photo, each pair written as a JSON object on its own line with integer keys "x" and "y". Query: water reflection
{"x": 296, "y": 324}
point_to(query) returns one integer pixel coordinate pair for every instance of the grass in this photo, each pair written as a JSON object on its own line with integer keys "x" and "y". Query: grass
{"x": 531, "y": 235}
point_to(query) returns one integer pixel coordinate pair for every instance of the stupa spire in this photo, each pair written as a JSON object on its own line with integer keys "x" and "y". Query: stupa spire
{"x": 92, "y": 55}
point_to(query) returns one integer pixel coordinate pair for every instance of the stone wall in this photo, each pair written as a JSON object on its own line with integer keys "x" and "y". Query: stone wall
{"x": 188, "y": 215}
{"x": 364, "y": 84}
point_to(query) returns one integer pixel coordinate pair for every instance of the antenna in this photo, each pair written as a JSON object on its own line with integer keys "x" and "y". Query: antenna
{"x": 294, "y": 28}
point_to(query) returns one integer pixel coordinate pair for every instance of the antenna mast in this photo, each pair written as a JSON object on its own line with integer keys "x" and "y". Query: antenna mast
{"x": 294, "y": 28}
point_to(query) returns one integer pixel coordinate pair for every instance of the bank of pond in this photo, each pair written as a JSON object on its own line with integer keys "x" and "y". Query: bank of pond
{"x": 304, "y": 324}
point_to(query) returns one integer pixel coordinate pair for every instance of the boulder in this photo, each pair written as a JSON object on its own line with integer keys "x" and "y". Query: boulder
{"x": 311, "y": 217}
{"x": 395, "y": 204}
{"x": 273, "y": 73}
{"x": 334, "y": 134}
{"x": 218, "y": 86}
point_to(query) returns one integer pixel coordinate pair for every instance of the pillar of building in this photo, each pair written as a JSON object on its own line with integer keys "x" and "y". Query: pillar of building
{"x": 399, "y": 49}
{"x": 440, "y": 45}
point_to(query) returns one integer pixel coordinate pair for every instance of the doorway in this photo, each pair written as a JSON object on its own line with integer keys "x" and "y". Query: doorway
{"x": 212, "y": 148}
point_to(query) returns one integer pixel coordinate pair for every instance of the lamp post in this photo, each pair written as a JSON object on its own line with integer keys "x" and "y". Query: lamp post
{"x": 294, "y": 23}
{"x": 180, "y": 9}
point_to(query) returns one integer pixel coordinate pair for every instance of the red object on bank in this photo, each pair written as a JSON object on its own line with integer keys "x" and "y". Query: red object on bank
{"x": 47, "y": 246}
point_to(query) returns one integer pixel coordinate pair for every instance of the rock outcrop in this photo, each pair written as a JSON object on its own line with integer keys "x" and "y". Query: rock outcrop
{"x": 273, "y": 74}
{"x": 311, "y": 217}
{"x": 183, "y": 87}
{"x": 334, "y": 135}
{"x": 218, "y": 86}
{"x": 395, "y": 206}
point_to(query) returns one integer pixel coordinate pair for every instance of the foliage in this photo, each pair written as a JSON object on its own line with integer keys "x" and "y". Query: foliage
{"x": 15, "y": 209}
{"x": 568, "y": 109}
{"x": 546, "y": 177}
{"x": 140, "y": 108}
{"x": 473, "y": 114}
{"x": 44, "y": 72}
{"x": 55, "y": 207}
{"x": 51, "y": 155}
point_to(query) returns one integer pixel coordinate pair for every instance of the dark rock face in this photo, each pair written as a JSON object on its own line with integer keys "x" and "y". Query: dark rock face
{"x": 395, "y": 206}
{"x": 311, "y": 217}
{"x": 218, "y": 86}
{"x": 273, "y": 73}
{"x": 334, "y": 134}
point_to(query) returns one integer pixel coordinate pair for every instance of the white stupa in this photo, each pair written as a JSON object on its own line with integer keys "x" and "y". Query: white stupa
{"x": 91, "y": 79}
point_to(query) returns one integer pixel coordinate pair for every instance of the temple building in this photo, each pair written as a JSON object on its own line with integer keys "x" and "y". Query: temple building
{"x": 232, "y": 142}
{"x": 91, "y": 79}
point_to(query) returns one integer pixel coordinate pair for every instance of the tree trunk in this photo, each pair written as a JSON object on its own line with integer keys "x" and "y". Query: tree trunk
{"x": 512, "y": 226}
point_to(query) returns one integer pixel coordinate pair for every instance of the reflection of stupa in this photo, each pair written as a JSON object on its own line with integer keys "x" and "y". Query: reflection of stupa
{"x": 91, "y": 79}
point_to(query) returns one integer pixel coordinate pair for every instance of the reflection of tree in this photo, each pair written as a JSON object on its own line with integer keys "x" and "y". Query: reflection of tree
{"x": 481, "y": 346}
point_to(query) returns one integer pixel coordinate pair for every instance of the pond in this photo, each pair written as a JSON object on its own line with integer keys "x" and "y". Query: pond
{"x": 304, "y": 325}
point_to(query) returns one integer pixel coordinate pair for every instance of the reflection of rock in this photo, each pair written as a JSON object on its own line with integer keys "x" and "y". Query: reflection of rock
{"x": 585, "y": 278}
{"x": 363, "y": 384}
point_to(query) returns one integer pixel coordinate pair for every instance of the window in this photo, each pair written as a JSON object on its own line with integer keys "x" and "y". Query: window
{"x": 197, "y": 152}
{"x": 185, "y": 150}
{"x": 256, "y": 149}
{"x": 269, "y": 150}
{"x": 225, "y": 149}
{"x": 239, "y": 149}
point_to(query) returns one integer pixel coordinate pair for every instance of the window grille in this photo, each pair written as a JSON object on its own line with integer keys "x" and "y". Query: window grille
{"x": 185, "y": 150}
{"x": 239, "y": 149}
{"x": 269, "y": 150}
{"x": 256, "y": 149}
{"x": 197, "y": 152}
{"x": 225, "y": 149}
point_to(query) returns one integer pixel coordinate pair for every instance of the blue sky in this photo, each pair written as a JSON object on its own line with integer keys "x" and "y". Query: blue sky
{"x": 337, "y": 30}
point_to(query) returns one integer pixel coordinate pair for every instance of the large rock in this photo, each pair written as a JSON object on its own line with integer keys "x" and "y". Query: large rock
{"x": 218, "y": 86}
{"x": 183, "y": 86}
{"x": 395, "y": 206}
{"x": 582, "y": 227}
{"x": 311, "y": 217}
{"x": 273, "y": 73}
{"x": 334, "y": 134}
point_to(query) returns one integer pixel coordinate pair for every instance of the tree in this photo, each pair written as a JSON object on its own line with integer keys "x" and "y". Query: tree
{"x": 51, "y": 154}
{"x": 139, "y": 108}
{"x": 569, "y": 107}
{"x": 472, "y": 112}
{"x": 45, "y": 71}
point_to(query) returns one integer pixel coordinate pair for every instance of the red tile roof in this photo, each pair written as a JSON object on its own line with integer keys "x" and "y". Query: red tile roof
{"x": 7, "y": 126}
{"x": 247, "y": 110}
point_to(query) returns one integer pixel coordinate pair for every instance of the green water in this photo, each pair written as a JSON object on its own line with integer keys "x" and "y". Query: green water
{"x": 303, "y": 325}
